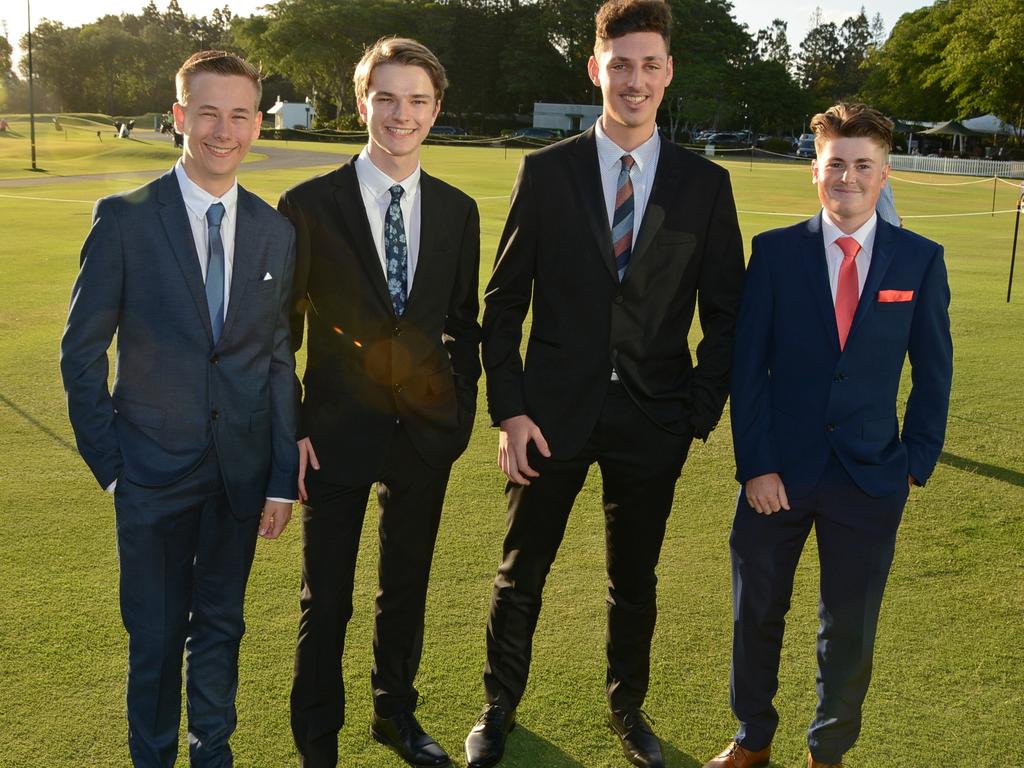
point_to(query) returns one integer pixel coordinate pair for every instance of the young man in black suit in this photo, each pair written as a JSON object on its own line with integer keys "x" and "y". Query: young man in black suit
{"x": 387, "y": 262}
{"x": 617, "y": 236}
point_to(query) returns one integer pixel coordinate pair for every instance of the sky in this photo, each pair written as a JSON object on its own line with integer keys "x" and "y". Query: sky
{"x": 754, "y": 13}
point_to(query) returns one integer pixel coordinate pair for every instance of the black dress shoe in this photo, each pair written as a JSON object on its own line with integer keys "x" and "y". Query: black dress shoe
{"x": 639, "y": 743}
{"x": 485, "y": 744}
{"x": 405, "y": 736}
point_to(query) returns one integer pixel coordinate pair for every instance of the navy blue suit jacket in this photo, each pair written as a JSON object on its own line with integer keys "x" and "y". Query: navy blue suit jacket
{"x": 176, "y": 395}
{"x": 796, "y": 397}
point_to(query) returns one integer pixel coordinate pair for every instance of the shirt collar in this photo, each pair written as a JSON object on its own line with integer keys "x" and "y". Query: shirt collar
{"x": 610, "y": 154}
{"x": 198, "y": 200}
{"x": 863, "y": 235}
{"x": 379, "y": 183}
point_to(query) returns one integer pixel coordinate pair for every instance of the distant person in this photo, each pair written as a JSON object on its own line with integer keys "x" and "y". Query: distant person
{"x": 613, "y": 239}
{"x": 197, "y": 439}
{"x": 3, "y": 125}
{"x": 831, "y": 309}
{"x": 386, "y": 280}
{"x": 886, "y": 207}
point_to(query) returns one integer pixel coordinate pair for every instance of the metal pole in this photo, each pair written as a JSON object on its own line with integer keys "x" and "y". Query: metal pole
{"x": 995, "y": 182}
{"x": 1013, "y": 253}
{"x": 31, "y": 94}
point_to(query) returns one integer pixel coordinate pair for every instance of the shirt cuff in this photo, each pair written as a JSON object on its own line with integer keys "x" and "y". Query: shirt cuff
{"x": 283, "y": 501}
{"x": 111, "y": 487}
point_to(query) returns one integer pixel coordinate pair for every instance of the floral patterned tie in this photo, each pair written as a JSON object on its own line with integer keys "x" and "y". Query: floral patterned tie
{"x": 396, "y": 248}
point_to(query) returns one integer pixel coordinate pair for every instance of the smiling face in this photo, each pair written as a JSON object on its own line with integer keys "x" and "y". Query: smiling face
{"x": 633, "y": 71}
{"x": 399, "y": 109}
{"x": 849, "y": 173}
{"x": 220, "y": 121}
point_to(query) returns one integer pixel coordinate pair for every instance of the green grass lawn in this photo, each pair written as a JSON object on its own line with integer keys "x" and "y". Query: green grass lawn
{"x": 948, "y": 686}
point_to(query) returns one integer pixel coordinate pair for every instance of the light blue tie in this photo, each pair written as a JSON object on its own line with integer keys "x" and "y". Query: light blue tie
{"x": 215, "y": 269}
{"x": 396, "y": 249}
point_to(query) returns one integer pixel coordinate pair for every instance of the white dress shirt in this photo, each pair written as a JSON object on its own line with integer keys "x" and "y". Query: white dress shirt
{"x": 375, "y": 187}
{"x": 197, "y": 203}
{"x": 865, "y": 236}
{"x": 645, "y": 164}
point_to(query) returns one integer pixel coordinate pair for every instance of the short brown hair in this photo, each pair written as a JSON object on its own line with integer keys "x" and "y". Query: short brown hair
{"x": 620, "y": 17}
{"x": 219, "y": 63}
{"x": 399, "y": 50}
{"x": 852, "y": 121}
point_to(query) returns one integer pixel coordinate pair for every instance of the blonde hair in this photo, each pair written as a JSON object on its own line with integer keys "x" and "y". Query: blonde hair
{"x": 399, "y": 50}
{"x": 852, "y": 121}
{"x": 219, "y": 63}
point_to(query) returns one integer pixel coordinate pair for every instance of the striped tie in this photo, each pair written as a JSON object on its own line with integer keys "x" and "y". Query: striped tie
{"x": 622, "y": 221}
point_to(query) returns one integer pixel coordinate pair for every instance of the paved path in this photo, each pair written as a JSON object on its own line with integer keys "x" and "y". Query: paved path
{"x": 277, "y": 156}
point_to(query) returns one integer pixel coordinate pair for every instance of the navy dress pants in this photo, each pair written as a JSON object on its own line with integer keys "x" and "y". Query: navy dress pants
{"x": 856, "y": 536}
{"x": 184, "y": 562}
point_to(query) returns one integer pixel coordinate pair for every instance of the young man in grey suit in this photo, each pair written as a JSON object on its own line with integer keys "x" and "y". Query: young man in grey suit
{"x": 613, "y": 239}
{"x": 196, "y": 441}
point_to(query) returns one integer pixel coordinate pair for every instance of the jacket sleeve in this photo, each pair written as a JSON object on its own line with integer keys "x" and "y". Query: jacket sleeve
{"x": 462, "y": 327}
{"x": 298, "y": 300}
{"x": 507, "y": 299}
{"x": 92, "y": 320}
{"x": 718, "y": 298}
{"x": 284, "y": 465}
{"x": 750, "y": 408}
{"x": 930, "y": 351}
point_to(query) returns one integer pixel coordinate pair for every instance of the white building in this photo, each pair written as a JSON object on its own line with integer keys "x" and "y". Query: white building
{"x": 292, "y": 114}
{"x": 565, "y": 117}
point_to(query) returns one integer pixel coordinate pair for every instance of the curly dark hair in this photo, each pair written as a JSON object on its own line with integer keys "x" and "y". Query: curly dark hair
{"x": 620, "y": 17}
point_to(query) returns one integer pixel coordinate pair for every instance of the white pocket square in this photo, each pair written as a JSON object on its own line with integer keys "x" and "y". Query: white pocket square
{"x": 268, "y": 276}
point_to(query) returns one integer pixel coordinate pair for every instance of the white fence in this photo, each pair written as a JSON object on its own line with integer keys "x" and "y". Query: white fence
{"x": 960, "y": 166}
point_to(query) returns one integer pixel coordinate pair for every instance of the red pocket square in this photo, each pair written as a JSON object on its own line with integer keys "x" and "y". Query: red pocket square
{"x": 895, "y": 295}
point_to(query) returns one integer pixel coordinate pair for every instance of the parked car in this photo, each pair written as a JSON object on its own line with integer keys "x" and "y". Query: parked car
{"x": 806, "y": 148}
{"x": 726, "y": 140}
{"x": 448, "y": 130}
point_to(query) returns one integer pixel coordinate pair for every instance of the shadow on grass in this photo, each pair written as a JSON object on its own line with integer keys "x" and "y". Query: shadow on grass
{"x": 1004, "y": 474}
{"x": 59, "y": 439}
{"x": 676, "y": 759}
{"x": 525, "y": 748}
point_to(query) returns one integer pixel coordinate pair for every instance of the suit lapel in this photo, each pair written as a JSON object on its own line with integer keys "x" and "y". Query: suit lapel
{"x": 248, "y": 236}
{"x": 179, "y": 235}
{"x": 816, "y": 271}
{"x": 350, "y": 203}
{"x": 586, "y": 174}
{"x": 666, "y": 179}
{"x": 882, "y": 253}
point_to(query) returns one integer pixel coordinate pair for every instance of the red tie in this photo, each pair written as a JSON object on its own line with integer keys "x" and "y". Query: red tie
{"x": 847, "y": 292}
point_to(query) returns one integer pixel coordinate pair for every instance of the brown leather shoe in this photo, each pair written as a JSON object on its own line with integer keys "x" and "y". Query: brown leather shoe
{"x": 736, "y": 756}
{"x": 812, "y": 763}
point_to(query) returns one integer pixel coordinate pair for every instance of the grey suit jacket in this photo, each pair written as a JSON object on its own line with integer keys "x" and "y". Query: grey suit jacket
{"x": 176, "y": 395}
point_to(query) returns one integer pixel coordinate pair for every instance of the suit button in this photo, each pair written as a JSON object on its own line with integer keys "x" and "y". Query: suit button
{"x": 214, "y": 358}
{"x": 397, "y": 331}
{"x": 618, "y": 298}
{"x": 397, "y": 388}
{"x": 839, "y": 377}
{"x": 214, "y": 415}
{"x": 830, "y": 427}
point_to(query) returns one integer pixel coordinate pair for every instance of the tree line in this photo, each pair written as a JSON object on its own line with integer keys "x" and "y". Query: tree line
{"x": 954, "y": 58}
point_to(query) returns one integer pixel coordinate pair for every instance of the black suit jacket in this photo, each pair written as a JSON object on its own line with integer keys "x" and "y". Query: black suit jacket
{"x": 557, "y": 245}
{"x": 366, "y": 369}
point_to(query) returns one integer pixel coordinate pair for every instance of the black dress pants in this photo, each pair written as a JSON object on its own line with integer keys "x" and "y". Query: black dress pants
{"x": 640, "y": 463}
{"x": 410, "y": 497}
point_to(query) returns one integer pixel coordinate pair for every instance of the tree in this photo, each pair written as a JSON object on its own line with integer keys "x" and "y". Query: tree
{"x": 981, "y": 67}
{"x": 56, "y": 57}
{"x": 819, "y": 64}
{"x": 772, "y": 44}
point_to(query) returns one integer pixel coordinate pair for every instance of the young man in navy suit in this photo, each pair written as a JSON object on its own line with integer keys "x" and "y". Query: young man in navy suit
{"x": 831, "y": 308}
{"x": 197, "y": 439}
